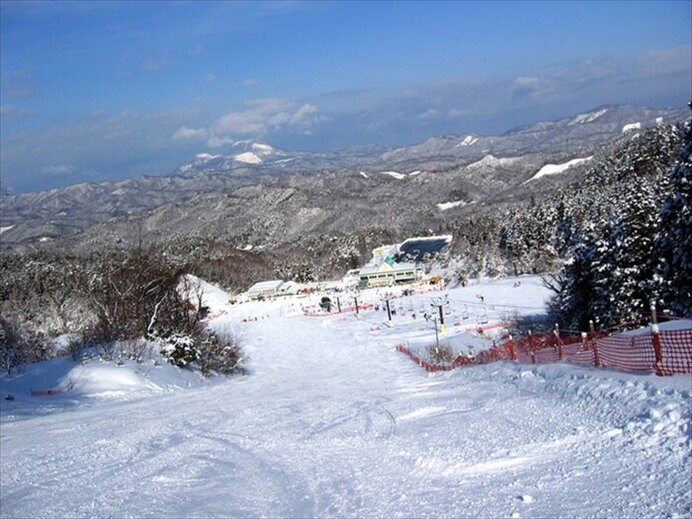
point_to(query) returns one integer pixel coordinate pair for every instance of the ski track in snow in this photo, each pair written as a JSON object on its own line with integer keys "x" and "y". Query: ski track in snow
{"x": 331, "y": 421}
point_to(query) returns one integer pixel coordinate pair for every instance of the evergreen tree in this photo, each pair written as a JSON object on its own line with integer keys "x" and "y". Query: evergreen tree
{"x": 673, "y": 246}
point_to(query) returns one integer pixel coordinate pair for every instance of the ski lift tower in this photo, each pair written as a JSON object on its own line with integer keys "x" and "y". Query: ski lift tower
{"x": 440, "y": 303}
{"x": 386, "y": 300}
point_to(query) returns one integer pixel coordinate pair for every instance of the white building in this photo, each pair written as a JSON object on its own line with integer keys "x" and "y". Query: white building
{"x": 265, "y": 289}
{"x": 388, "y": 273}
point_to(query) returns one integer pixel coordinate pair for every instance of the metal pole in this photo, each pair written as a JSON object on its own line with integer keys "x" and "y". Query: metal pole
{"x": 654, "y": 318}
{"x": 357, "y": 312}
{"x": 389, "y": 314}
{"x": 656, "y": 339}
{"x": 338, "y": 304}
{"x": 437, "y": 337}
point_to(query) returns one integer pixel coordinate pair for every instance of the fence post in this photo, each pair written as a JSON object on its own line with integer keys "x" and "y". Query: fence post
{"x": 509, "y": 347}
{"x": 559, "y": 342}
{"x": 533, "y": 352}
{"x": 658, "y": 351}
{"x": 594, "y": 345}
{"x": 656, "y": 339}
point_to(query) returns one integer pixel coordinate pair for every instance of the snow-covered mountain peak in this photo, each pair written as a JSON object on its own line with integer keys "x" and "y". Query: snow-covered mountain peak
{"x": 248, "y": 157}
{"x": 257, "y": 148}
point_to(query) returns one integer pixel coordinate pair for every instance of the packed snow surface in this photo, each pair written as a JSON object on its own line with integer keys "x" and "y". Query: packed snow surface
{"x": 554, "y": 169}
{"x": 331, "y": 421}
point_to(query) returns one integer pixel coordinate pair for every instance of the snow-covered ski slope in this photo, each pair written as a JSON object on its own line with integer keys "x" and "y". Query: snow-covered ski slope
{"x": 331, "y": 421}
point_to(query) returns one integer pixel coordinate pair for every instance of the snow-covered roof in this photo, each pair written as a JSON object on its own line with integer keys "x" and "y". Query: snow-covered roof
{"x": 266, "y": 285}
{"x": 289, "y": 287}
{"x": 395, "y": 267}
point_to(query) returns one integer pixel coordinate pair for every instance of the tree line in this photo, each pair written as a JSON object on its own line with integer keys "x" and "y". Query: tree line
{"x": 102, "y": 299}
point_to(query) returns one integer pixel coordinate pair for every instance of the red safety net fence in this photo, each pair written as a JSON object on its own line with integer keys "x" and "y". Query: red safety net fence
{"x": 663, "y": 353}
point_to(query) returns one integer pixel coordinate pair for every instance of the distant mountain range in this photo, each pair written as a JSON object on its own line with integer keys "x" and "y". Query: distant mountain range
{"x": 257, "y": 195}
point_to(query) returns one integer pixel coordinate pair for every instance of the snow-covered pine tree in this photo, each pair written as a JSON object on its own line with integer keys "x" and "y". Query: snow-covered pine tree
{"x": 574, "y": 285}
{"x": 673, "y": 246}
{"x": 632, "y": 241}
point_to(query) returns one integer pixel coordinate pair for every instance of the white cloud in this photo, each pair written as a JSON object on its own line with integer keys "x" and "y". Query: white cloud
{"x": 91, "y": 149}
{"x": 526, "y": 86}
{"x": 210, "y": 78}
{"x": 216, "y": 141}
{"x": 190, "y": 133}
{"x": 58, "y": 169}
{"x": 249, "y": 82}
{"x": 431, "y": 114}
{"x": 260, "y": 117}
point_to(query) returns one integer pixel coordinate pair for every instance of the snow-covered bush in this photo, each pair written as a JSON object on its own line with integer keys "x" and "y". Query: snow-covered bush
{"x": 180, "y": 349}
{"x": 12, "y": 347}
{"x": 211, "y": 352}
{"x": 219, "y": 353}
{"x": 440, "y": 353}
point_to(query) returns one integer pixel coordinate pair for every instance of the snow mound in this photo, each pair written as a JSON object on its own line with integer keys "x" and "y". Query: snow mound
{"x": 104, "y": 380}
{"x": 680, "y": 324}
{"x": 212, "y": 296}
{"x": 631, "y": 127}
{"x": 554, "y": 169}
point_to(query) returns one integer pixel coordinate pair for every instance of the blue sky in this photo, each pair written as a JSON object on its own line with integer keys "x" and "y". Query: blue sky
{"x": 92, "y": 91}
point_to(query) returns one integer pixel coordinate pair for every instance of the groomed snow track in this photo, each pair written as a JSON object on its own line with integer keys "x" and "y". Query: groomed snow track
{"x": 331, "y": 421}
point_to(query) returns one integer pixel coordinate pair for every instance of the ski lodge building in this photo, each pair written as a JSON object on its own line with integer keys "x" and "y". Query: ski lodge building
{"x": 388, "y": 273}
{"x": 392, "y": 264}
{"x": 272, "y": 288}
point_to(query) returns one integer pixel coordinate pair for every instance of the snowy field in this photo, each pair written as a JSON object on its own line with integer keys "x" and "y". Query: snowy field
{"x": 331, "y": 421}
